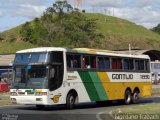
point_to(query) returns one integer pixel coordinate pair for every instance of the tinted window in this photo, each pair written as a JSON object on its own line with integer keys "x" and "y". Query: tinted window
{"x": 89, "y": 61}
{"x": 103, "y": 63}
{"x": 139, "y": 64}
{"x": 128, "y": 64}
{"x": 31, "y": 57}
{"x": 93, "y": 61}
{"x": 147, "y": 65}
{"x": 100, "y": 63}
{"x": 73, "y": 61}
{"x": 116, "y": 63}
{"x": 56, "y": 57}
{"x": 86, "y": 63}
{"x": 107, "y": 63}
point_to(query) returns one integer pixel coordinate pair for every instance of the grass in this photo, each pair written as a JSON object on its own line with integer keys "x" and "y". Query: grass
{"x": 4, "y": 99}
{"x": 119, "y": 33}
{"x": 138, "y": 112}
{"x": 120, "y": 26}
{"x": 152, "y": 108}
{"x": 12, "y": 47}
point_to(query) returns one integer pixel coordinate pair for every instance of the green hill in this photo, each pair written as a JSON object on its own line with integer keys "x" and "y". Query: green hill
{"x": 118, "y": 33}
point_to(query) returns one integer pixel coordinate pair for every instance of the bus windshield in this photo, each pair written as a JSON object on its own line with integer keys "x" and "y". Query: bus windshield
{"x": 22, "y": 58}
{"x": 30, "y": 77}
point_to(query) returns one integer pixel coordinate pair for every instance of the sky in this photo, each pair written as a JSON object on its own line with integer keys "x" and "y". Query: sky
{"x": 141, "y": 12}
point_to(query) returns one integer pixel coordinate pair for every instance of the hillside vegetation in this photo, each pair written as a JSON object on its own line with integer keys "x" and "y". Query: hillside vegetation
{"x": 156, "y": 29}
{"x": 75, "y": 29}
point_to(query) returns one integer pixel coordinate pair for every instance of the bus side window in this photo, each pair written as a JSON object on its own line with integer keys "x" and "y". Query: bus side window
{"x": 73, "y": 61}
{"x": 86, "y": 62}
{"x": 116, "y": 63}
{"x": 93, "y": 61}
{"x": 131, "y": 65}
{"x": 128, "y": 64}
{"x": 106, "y": 63}
{"x": 69, "y": 63}
{"x": 139, "y": 64}
{"x": 100, "y": 63}
{"x": 147, "y": 65}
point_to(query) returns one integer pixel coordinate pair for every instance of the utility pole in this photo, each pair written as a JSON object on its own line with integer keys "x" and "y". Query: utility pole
{"x": 105, "y": 10}
{"x": 78, "y": 3}
{"x": 113, "y": 11}
{"x": 130, "y": 49}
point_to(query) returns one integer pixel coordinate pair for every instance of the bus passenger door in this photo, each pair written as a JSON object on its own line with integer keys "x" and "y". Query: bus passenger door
{"x": 56, "y": 70}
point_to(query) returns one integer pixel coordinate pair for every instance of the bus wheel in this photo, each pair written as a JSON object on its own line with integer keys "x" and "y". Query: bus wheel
{"x": 70, "y": 102}
{"x": 40, "y": 107}
{"x": 135, "y": 97}
{"x": 128, "y": 97}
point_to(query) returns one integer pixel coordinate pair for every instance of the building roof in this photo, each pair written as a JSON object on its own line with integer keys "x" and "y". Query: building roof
{"x": 153, "y": 54}
{"x": 6, "y": 60}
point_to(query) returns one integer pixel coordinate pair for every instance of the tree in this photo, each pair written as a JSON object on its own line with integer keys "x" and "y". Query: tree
{"x": 156, "y": 29}
{"x": 59, "y": 7}
{"x": 1, "y": 37}
{"x": 62, "y": 26}
{"x": 26, "y": 31}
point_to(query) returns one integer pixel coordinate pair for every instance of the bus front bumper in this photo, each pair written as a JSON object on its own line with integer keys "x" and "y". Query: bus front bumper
{"x": 40, "y": 100}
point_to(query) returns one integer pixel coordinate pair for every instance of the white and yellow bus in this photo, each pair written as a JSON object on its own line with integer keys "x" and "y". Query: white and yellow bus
{"x": 53, "y": 75}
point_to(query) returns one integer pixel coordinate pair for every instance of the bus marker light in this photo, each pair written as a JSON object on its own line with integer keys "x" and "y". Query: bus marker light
{"x": 56, "y": 98}
{"x": 38, "y": 90}
{"x": 41, "y": 93}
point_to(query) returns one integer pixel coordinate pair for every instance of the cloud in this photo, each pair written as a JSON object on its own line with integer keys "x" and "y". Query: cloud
{"x": 142, "y": 12}
{"x": 30, "y": 11}
{"x": 16, "y": 12}
{"x": 145, "y": 3}
{"x": 107, "y": 3}
{"x": 23, "y": 8}
{"x": 31, "y": 2}
{"x": 145, "y": 16}
{"x": 1, "y": 13}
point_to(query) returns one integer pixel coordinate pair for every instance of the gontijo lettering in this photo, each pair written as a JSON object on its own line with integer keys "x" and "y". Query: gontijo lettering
{"x": 122, "y": 76}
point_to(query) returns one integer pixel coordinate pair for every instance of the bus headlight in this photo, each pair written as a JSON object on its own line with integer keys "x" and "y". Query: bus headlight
{"x": 41, "y": 93}
{"x": 13, "y": 94}
{"x": 13, "y": 100}
{"x": 39, "y": 99}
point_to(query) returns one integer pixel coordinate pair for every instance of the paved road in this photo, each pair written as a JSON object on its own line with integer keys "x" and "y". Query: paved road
{"x": 89, "y": 111}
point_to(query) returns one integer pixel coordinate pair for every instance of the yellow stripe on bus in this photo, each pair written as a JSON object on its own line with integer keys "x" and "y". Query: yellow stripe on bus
{"x": 116, "y": 90}
{"x": 105, "y": 82}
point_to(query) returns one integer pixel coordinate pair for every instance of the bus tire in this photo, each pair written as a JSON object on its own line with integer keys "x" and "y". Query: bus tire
{"x": 70, "y": 101}
{"x": 135, "y": 97}
{"x": 40, "y": 107}
{"x": 127, "y": 97}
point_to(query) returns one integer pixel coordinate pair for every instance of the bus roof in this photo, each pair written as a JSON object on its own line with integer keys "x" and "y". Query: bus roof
{"x": 42, "y": 49}
{"x": 107, "y": 52}
{"x": 82, "y": 50}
